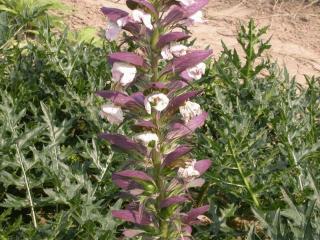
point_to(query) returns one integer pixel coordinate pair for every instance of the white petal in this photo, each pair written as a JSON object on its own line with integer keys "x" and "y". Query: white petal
{"x": 123, "y": 73}
{"x": 157, "y": 101}
{"x": 112, "y": 31}
{"x": 197, "y": 71}
{"x": 186, "y": 2}
{"x": 190, "y": 110}
{"x": 147, "y": 137}
{"x": 122, "y": 21}
{"x": 178, "y": 50}
{"x": 112, "y": 112}
{"x": 188, "y": 172}
{"x": 140, "y": 16}
{"x": 166, "y": 53}
{"x": 197, "y": 17}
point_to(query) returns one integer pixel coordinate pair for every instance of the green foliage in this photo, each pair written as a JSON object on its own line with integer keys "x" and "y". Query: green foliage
{"x": 54, "y": 171}
{"x": 263, "y": 134}
{"x": 20, "y": 19}
{"x": 295, "y": 221}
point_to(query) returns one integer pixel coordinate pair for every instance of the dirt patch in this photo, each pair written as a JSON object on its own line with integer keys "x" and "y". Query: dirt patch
{"x": 294, "y": 27}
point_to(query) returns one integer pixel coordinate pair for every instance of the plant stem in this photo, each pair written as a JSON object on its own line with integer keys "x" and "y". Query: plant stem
{"x": 33, "y": 215}
{"x": 244, "y": 179}
{"x": 294, "y": 157}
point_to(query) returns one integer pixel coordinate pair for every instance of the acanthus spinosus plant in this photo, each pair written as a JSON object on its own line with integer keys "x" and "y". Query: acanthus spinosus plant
{"x": 158, "y": 76}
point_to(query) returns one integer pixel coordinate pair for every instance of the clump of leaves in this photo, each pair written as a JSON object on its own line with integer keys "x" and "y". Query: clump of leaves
{"x": 263, "y": 132}
{"x": 54, "y": 172}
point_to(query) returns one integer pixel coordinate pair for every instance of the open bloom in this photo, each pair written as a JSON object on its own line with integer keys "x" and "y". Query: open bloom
{"x": 147, "y": 137}
{"x": 141, "y": 16}
{"x": 112, "y": 112}
{"x": 173, "y": 50}
{"x": 114, "y": 28}
{"x": 123, "y": 73}
{"x": 158, "y": 101}
{"x": 197, "y": 71}
{"x": 190, "y": 110}
{"x": 188, "y": 171}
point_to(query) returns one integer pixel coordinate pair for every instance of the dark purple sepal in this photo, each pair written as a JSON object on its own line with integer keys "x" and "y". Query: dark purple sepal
{"x": 173, "y": 200}
{"x": 179, "y": 130}
{"x": 131, "y": 233}
{"x": 127, "y": 57}
{"x": 180, "y": 100}
{"x": 176, "y": 85}
{"x": 176, "y": 14}
{"x": 134, "y": 174}
{"x": 191, "y": 216}
{"x": 197, "y": 6}
{"x": 113, "y": 14}
{"x": 127, "y": 184}
{"x": 157, "y": 86}
{"x": 185, "y": 76}
{"x": 176, "y": 154}
{"x": 185, "y": 238}
{"x": 134, "y": 4}
{"x": 171, "y": 37}
{"x": 136, "y": 100}
{"x": 117, "y": 98}
{"x": 145, "y": 124}
{"x": 138, "y": 97}
{"x": 189, "y": 60}
{"x": 195, "y": 183}
{"x": 203, "y": 165}
{"x": 133, "y": 28}
{"x": 187, "y": 231}
{"x": 124, "y": 143}
{"x": 132, "y": 216}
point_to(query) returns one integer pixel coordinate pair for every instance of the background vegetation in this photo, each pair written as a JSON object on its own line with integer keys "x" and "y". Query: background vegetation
{"x": 55, "y": 174}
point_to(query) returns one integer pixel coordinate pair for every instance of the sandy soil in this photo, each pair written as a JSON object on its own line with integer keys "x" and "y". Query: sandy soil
{"x": 294, "y": 27}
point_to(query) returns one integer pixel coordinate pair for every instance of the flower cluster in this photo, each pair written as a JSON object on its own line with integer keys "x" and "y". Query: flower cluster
{"x": 152, "y": 87}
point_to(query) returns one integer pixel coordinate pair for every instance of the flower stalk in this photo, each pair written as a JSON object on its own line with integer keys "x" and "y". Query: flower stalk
{"x": 158, "y": 75}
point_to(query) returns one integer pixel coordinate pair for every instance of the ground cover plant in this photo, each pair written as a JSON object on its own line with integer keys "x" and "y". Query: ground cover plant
{"x": 263, "y": 137}
{"x": 261, "y": 134}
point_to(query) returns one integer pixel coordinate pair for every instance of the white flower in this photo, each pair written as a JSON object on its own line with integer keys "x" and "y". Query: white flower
{"x": 114, "y": 28}
{"x": 197, "y": 71}
{"x": 186, "y": 2}
{"x": 188, "y": 171}
{"x": 190, "y": 110}
{"x": 112, "y": 112}
{"x": 141, "y": 16}
{"x": 158, "y": 101}
{"x": 173, "y": 50}
{"x": 123, "y": 73}
{"x": 147, "y": 137}
{"x": 197, "y": 17}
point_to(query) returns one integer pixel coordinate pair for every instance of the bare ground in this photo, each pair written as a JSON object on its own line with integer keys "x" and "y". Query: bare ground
{"x": 294, "y": 27}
